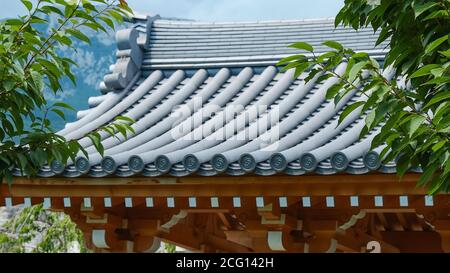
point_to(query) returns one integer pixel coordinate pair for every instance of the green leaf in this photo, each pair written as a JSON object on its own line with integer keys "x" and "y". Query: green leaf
{"x": 300, "y": 69}
{"x": 437, "y": 14}
{"x": 8, "y": 84}
{"x": 334, "y": 45}
{"x": 49, "y": 9}
{"x": 414, "y": 124}
{"x": 424, "y": 70}
{"x": 70, "y": 8}
{"x": 441, "y": 110}
{"x": 419, "y": 9}
{"x": 14, "y": 22}
{"x": 18, "y": 120}
{"x": 323, "y": 57}
{"x": 64, "y": 105}
{"x": 403, "y": 164}
{"x": 79, "y": 35}
{"x": 445, "y": 53}
{"x": 120, "y": 129}
{"x": 438, "y": 98}
{"x": 40, "y": 156}
{"x": 384, "y": 34}
{"x": 438, "y": 145}
{"x": 290, "y": 59}
{"x": 433, "y": 45}
{"x": 58, "y": 155}
{"x": 8, "y": 177}
{"x": 437, "y": 81}
{"x": 302, "y": 45}
{"x": 129, "y": 128}
{"x": 370, "y": 118}
{"x": 125, "y": 118}
{"x": 95, "y": 26}
{"x": 27, "y": 4}
{"x": 38, "y": 80}
{"x": 51, "y": 66}
{"x": 290, "y": 66}
{"x": 312, "y": 74}
{"x": 333, "y": 90}
{"x": 445, "y": 130}
{"x": 96, "y": 140}
{"x": 109, "y": 130}
{"x": 355, "y": 70}
{"x": 59, "y": 113}
{"x": 436, "y": 185}
{"x": 360, "y": 55}
{"x": 108, "y": 21}
{"x": 23, "y": 162}
{"x": 447, "y": 167}
{"x": 349, "y": 109}
{"x": 427, "y": 174}
{"x": 116, "y": 16}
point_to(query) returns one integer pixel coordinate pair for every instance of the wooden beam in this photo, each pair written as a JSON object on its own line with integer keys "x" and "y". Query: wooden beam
{"x": 182, "y": 235}
{"x": 146, "y": 244}
{"x": 445, "y": 240}
{"x": 224, "y": 244}
{"x": 301, "y": 179}
{"x": 382, "y": 220}
{"x": 143, "y": 227}
{"x": 414, "y": 241}
{"x": 240, "y": 237}
{"x": 355, "y": 240}
{"x": 403, "y": 221}
{"x": 270, "y": 212}
{"x": 282, "y": 185}
{"x": 224, "y": 220}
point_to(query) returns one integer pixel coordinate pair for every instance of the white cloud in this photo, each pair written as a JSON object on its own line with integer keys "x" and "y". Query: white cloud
{"x": 106, "y": 39}
{"x": 60, "y": 95}
{"x": 91, "y": 65}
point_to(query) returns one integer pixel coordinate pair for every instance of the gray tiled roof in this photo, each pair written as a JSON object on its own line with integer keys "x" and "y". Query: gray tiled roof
{"x": 187, "y": 44}
{"x": 164, "y": 64}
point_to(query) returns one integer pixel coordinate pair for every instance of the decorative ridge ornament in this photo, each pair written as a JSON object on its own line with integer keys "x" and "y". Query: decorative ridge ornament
{"x": 129, "y": 60}
{"x": 129, "y": 55}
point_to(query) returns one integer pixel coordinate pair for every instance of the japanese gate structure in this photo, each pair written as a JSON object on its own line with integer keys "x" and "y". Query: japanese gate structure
{"x": 276, "y": 175}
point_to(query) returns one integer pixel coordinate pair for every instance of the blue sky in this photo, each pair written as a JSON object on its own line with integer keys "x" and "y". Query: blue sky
{"x": 220, "y": 10}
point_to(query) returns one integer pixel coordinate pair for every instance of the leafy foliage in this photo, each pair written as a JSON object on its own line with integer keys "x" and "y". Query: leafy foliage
{"x": 169, "y": 248}
{"x": 35, "y": 229}
{"x": 29, "y": 64}
{"x": 413, "y": 105}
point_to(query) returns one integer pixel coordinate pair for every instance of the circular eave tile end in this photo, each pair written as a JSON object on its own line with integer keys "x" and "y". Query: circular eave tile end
{"x": 372, "y": 160}
{"x": 278, "y": 162}
{"x": 191, "y": 163}
{"x": 247, "y": 162}
{"x": 109, "y": 165}
{"x": 308, "y": 162}
{"x": 339, "y": 161}
{"x": 219, "y": 163}
{"x": 136, "y": 164}
{"x": 163, "y": 164}
{"x": 57, "y": 167}
{"x": 82, "y": 165}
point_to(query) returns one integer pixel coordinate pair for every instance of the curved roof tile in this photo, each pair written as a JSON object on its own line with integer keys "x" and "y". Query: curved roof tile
{"x": 207, "y": 99}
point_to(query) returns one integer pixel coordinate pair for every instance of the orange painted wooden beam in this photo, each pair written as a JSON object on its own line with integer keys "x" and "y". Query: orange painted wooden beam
{"x": 317, "y": 185}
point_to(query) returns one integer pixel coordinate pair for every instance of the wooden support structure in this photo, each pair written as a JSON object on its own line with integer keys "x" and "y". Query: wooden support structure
{"x": 338, "y": 213}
